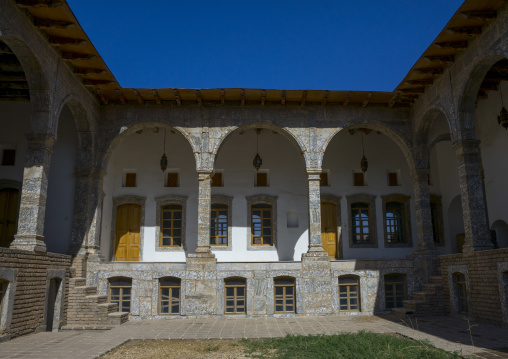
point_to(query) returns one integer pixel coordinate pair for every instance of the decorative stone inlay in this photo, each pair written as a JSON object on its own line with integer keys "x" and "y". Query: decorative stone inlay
{"x": 118, "y": 201}
{"x": 261, "y": 198}
{"x": 161, "y": 202}
{"x": 371, "y": 201}
{"x": 314, "y": 200}
{"x": 452, "y": 280}
{"x": 229, "y": 202}
{"x": 204, "y": 199}
{"x": 399, "y": 198}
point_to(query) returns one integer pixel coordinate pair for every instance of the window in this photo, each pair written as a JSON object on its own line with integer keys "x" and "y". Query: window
{"x": 394, "y": 225}
{"x": 172, "y": 179}
{"x": 460, "y": 282}
{"x": 8, "y": 157}
{"x": 358, "y": 179}
{"x": 261, "y": 179}
{"x": 130, "y": 180}
{"x": 235, "y": 295}
{"x": 362, "y": 220}
{"x": 395, "y": 290}
{"x": 360, "y": 226}
{"x": 261, "y": 224}
{"x": 393, "y": 179}
{"x": 217, "y": 179}
{"x": 284, "y": 288}
{"x": 437, "y": 219}
{"x": 219, "y": 225}
{"x": 120, "y": 293}
{"x": 171, "y": 226}
{"x": 169, "y": 295}
{"x": 323, "y": 177}
{"x": 349, "y": 293}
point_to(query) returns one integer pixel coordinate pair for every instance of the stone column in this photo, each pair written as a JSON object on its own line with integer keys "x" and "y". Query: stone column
{"x": 474, "y": 207}
{"x": 34, "y": 192}
{"x": 204, "y": 206}
{"x": 314, "y": 197}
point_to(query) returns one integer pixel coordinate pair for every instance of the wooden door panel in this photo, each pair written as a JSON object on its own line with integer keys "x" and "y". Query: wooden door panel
{"x": 329, "y": 229}
{"x": 8, "y": 215}
{"x": 128, "y": 225}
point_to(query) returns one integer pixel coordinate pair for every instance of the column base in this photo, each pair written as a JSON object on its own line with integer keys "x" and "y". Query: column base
{"x": 29, "y": 243}
{"x": 315, "y": 251}
{"x": 202, "y": 252}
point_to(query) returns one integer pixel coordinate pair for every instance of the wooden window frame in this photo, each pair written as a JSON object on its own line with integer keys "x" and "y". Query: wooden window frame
{"x": 349, "y": 294}
{"x": 131, "y": 180}
{"x": 160, "y": 202}
{"x": 235, "y": 297}
{"x": 172, "y": 228}
{"x": 397, "y": 294}
{"x": 166, "y": 179}
{"x": 217, "y": 179}
{"x": 395, "y": 230}
{"x": 262, "y": 172}
{"x": 171, "y": 301}
{"x": 262, "y": 199}
{"x": 121, "y": 294}
{"x": 356, "y": 175}
{"x": 371, "y": 201}
{"x": 461, "y": 293}
{"x": 262, "y": 227}
{"x": 284, "y": 297}
{"x": 324, "y": 178}
{"x": 355, "y": 207}
{"x": 403, "y": 200}
{"x": 217, "y": 227}
{"x": 392, "y": 178}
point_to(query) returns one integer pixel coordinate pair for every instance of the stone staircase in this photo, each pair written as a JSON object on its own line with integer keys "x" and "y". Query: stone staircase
{"x": 428, "y": 302}
{"x": 88, "y": 310}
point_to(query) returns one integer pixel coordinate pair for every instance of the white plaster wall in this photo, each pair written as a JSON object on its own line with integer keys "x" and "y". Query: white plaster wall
{"x": 494, "y": 149}
{"x": 14, "y": 122}
{"x": 141, "y": 153}
{"x": 342, "y": 156}
{"x": 287, "y": 181}
{"x": 61, "y": 186}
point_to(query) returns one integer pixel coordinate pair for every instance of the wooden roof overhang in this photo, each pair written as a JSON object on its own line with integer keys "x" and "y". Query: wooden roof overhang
{"x": 56, "y": 21}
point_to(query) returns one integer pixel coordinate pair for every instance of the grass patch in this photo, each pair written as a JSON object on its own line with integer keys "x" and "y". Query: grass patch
{"x": 348, "y": 345}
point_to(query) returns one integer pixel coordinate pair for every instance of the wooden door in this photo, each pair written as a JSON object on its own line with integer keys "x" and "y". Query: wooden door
{"x": 8, "y": 215}
{"x": 128, "y": 228}
{"x": 329, "y": 229}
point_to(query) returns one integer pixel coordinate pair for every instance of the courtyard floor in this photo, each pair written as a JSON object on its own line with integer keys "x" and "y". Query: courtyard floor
{"x": 451, "y": 334}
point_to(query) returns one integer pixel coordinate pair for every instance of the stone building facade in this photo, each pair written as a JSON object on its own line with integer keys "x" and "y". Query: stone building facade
{"x": 308, "y": 233}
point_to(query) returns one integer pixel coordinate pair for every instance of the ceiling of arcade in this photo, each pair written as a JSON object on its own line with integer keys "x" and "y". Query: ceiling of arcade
{"x": 56, "y": 21}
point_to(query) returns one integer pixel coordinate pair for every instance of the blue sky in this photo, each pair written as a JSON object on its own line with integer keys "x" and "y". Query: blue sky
{"x": 320, "y": 44}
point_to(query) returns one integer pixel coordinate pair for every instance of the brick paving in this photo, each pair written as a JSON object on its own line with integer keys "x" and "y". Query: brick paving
{"x": 451, "y": 334}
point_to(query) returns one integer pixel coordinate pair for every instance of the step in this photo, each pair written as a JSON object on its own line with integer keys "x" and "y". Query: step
{"x": 422, "y": 296}
{"x": 86, "y": 290}
{"x": 88, "y": 327}
{"x": 78, "y": 282}
{"x": 118, "y": 318}
{"x": 412, "y": 304}
{"x": 97, "y": 298}
{"x": 402, "y": 312}
{"x": 108, "y": 307}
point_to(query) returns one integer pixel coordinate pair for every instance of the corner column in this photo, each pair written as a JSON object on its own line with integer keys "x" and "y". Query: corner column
{"x": 34, "y": 192}
{"x": 314, "y": 198}
{"x": 474, "y": 206}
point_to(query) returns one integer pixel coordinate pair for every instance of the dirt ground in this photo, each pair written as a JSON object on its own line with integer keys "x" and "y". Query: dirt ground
{"x": 181, "y": 349}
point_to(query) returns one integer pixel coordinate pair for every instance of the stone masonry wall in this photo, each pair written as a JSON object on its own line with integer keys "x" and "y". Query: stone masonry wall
{"x": 484, "y": 275}
{"x": 31, "y": 279}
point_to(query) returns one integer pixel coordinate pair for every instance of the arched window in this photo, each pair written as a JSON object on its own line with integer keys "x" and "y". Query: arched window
{"x": 349, "y": 293}
{"x": 235, "y": 293}
{"x": 169, "y": 295}
{"x": 461, "y": 293}
{"x": 171, "y": 226}
{"x": 395, "y": 290}
{"x": 284, "y": 288}
{"x": 120, "y": 293}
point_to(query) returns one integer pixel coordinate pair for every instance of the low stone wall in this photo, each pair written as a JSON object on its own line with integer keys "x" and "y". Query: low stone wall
{"x": 486, "y": 274}
{"x": 29, "y": 274}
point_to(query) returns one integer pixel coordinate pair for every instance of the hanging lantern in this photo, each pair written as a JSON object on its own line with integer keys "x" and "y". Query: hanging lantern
{"x": 257, "y": 161}
{"x": 502, "y": 119}
{"x": 364, "y": 164}
{"x": 164, "y": 159}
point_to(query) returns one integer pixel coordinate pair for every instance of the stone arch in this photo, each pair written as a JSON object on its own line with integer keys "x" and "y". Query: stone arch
{"x": 294, "y": 139}
{"x": 468, "y": 91}
{"x": 129, "y": 130}
{"x": 395, "y": 137}
{"x": 38, "y": 84}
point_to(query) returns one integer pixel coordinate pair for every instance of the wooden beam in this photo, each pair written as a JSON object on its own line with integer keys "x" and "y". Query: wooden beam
{"x": 13, "y": 77}
{"x": 449, "y": 58}
{"x": 97, "y": 82}
{"x": 263, "y": 97}
{"x": 53, "y": 24}
{"x": 89, "y": 71}
{"x": 367, "y": 100}
{"x": 483, "y": 15}
{"x": 470, "y": 30}
{"x": 429, "y": 70}
{"x": 304, "y": 98}
{"x": 393, "y": 100}
{"x": 39, "y": 3}
{"x": 283, "y": 97}
{"x": 325, "y": 98}
{"x": 452, "y": 44}
{"x": 422, "y": 82}
{"x": 156, "y": 97}
{"x": 77, "y": 56}
{"x": 57, "y": 41}
{"x": 14, "y": 93}
{"x": 348, "y": 98}
{"x": 14, "y": 85}
{"x": 102, "y": 97}
{"x": 121, "y": 97}
{"x": 177, "y": 97}
{"x": 222, "y": 96}
{"x": 242, "y": 97}
{"x": 199, "y": 99}
{"x": 413, "y": 90}
{"x": 138, "y": 97}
